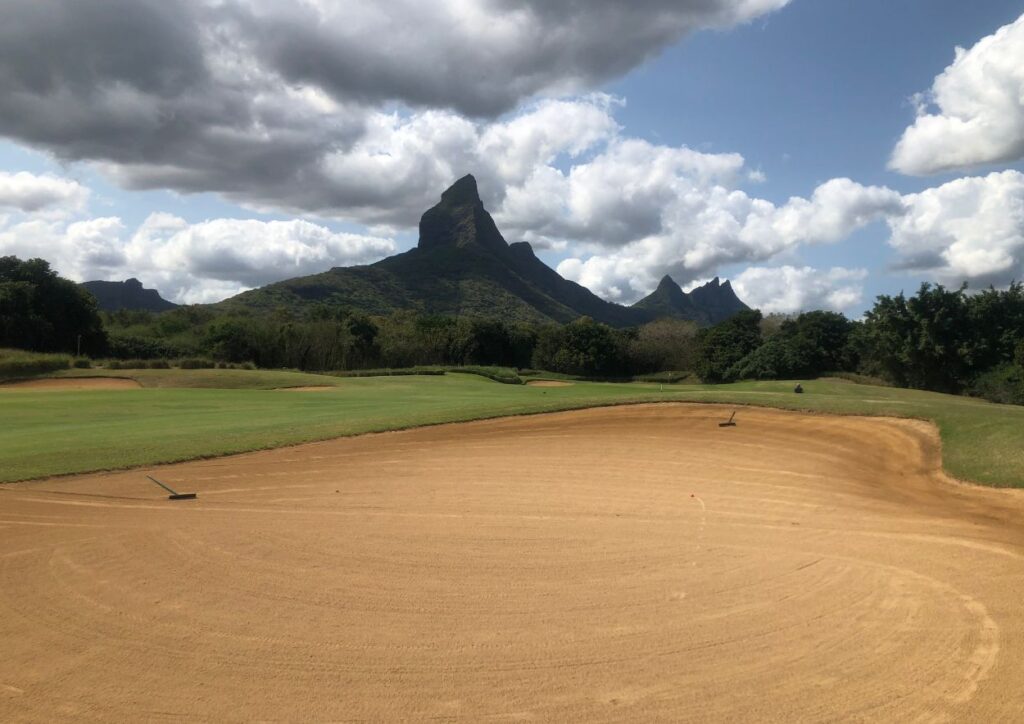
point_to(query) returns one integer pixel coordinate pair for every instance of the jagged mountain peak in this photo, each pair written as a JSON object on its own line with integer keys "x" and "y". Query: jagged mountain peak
{"x": 709, "y": 303}
{"x": 463, "y": 191}
{"x": 718, "y": 298}
{"x": 668, "y": 283}
{"x": 460, "y": 220}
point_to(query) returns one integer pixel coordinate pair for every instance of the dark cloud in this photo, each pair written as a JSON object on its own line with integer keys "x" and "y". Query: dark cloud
{"x": 253, "y": 99}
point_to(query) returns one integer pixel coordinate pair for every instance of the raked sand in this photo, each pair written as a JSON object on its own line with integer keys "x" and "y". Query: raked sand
{"x": 621, "y": 564}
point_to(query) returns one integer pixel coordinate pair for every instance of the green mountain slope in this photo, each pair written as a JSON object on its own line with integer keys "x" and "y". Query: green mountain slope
{"x": 461, "y": 266}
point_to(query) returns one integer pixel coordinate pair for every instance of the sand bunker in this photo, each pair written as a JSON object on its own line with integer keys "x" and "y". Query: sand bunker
{"x": 630, "y": 564}
{"x": 549, "y": 383}
{"x": 73, "y": 383}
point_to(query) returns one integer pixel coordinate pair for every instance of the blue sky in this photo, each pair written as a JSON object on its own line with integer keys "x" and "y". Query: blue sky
{"x": 818, "y": 90}
{"x": 615, "y": 148}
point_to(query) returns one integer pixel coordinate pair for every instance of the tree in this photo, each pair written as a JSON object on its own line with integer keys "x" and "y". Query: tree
{"x": 923, "y": 342}
{"x": 44, "y": 312}
{"x": 725, "y": 344}
{"x": 996, "y": 325}
{"x": 582, "y": 347}
{"x": 664, "y": 345}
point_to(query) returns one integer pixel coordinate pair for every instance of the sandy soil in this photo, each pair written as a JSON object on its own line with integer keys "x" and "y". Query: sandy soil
{"x": 626, "y": 564}
{"x": 548, "y": 383}
{"x": 73, "y": 383}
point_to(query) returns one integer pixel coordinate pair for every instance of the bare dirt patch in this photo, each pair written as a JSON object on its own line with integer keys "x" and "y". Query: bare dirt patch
{"x": 73, "y": 383}
{"x": 549, "y": 383}
{"x": 630, "y": 564}
{"x": 308, "y": 388}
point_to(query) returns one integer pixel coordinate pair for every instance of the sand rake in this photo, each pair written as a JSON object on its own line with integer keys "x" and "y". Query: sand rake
{"x": 731, "y": 422}
{"x": 174, "y": 494}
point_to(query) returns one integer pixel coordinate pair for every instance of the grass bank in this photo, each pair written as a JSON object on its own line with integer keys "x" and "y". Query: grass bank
{"x": 186, "y": 414}
{"x": 219, "y": 379}
{"x": 17, "y": 363}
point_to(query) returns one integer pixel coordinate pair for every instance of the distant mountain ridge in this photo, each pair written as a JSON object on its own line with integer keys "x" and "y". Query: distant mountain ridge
{"x": 708, "y": 304}
{"x": 462, "y": 265}
{"x": 129, "y": 294}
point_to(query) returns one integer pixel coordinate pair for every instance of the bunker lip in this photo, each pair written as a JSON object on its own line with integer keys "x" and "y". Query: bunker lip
{"x": 307, "y": 388}
{"x": 637, "y": 554}
{"x": 69, "y": 384}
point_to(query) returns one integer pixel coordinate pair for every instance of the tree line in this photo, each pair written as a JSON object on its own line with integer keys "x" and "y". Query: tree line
{"x": 941, "y": 339}
{"x": 330, "y": 338}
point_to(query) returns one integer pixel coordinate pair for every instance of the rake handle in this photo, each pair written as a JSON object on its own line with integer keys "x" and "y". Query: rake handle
{"x": 169, "y": 490}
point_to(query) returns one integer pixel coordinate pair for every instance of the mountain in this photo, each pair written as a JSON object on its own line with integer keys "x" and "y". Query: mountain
{"x": 717, "y": 300}
{"x": 128, "y": 294}
{"x": 462, "y": 265}
{"x": 709, "y": 304}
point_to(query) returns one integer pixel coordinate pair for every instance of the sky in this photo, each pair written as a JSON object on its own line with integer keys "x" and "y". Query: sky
{"x": 817, "y": 153}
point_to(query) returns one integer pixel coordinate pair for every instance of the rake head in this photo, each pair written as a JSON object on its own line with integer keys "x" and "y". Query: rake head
{"x": 174, "y": 494}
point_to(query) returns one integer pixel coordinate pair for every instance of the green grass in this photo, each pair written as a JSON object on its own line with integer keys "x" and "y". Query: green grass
{"x": 50, "y": 433}
{"x": 211, "y": 378}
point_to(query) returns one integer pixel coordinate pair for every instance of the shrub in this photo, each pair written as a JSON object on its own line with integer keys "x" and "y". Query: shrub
{"x": 397, "y": 372}
{"x": 859, "y": 379}
{"x": 126, "y": 364}
{"x": 504, "y": 375}
{"x": 668, "y": 377}
{"x": 82, "y": 363}
{"x": 1004, "y": 383}
{"x": 19, "y": 363}
{"x": 195, "y": 363}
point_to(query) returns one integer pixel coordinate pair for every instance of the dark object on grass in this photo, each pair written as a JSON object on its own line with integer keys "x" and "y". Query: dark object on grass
{"x": 174, "y": 494}
{"x": 798, "y": 389}
{"x": 730, "y": 422}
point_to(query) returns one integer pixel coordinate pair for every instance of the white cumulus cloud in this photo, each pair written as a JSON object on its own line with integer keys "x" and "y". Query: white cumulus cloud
{"x": 974, "y": 112}
{"x": 27, "y": 192}
{"x": 970, "y": 229}
{"x": 705, "y": 225}
{"x": 788, "y": 289}
{"x": 190, "y": 263}
{"x": 239, "y": 254}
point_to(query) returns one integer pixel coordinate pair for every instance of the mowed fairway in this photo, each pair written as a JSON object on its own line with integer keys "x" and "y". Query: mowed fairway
{"x": 185, "y": 414}
{"x": 629, "y": 563}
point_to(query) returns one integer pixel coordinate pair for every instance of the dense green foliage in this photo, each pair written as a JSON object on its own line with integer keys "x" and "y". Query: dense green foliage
{"x": 725, "y": 345}
{"x": 803, "y": 347}
{"x": 939, "y": 339}
{"x": 948, "y": 340}
{"x": 42, "y": 312}
{"x": 336, "y": 339}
